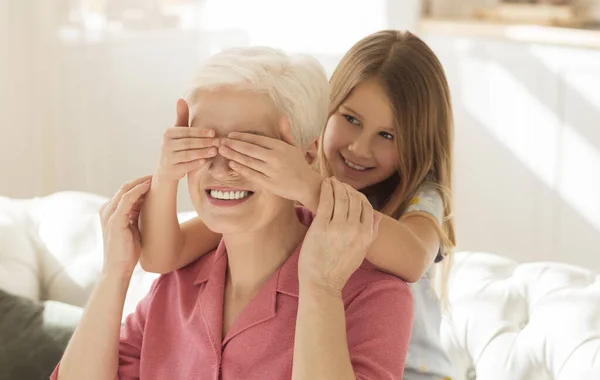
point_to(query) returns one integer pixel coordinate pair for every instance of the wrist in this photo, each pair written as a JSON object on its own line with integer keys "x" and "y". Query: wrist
{"x": 311, "y": 192}
{"x": 119, "y": 278}
{"x": 161, "y": 179}
{"x": 313, "y": 288}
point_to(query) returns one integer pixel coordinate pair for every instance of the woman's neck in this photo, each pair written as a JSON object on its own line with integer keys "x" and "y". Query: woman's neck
{"x": 253, "y": 257}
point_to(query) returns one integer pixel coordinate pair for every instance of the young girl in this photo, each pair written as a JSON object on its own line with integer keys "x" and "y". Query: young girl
{"x": 389, "y": 135}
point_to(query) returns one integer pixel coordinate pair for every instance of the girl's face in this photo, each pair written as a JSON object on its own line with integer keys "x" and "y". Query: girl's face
{"x": 359, "y": 142}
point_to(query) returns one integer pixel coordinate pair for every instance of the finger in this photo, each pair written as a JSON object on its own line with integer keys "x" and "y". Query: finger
{"x": 185, "y": 133}
{"x": 248, "y": 149}
{"x": 249, "y": 173}
{"x": 263, "y": 141}
{"x": 192, "y": 155}
{"x": 354, "y": 204}
{"x": 286, "y": 132}
{"x": 242, "y": 159}
{"x": 187, "y": 167}
{"x": 103, "y": 214}
{"x": 136, "y": 209}
{"x": 112, "y": 204}
{"x": 183, "y": 114}
{"x": 120, "y": 218}
{"x": 326, "y": 202}
{"x": 102, "y": 208}
{"x": 178, "y": 145}
{"x": 340, "y": 210}
{"x": 376, "y": 221}
{"x": 368, "y": 214}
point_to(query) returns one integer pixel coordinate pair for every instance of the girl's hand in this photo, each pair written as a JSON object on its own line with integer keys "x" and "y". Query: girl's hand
{"x": 119, "y": 219}
{"x": 184, "y": 148}
{"x": 338, "y": 239}
{"x": 277, "y": 165}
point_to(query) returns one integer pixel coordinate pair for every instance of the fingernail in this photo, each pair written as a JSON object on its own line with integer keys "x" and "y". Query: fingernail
{"x": 212, "y": 152}
{"x": 216, "y": 142}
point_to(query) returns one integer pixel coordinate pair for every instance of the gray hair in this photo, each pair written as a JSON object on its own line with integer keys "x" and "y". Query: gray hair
{"x": 296, "y": 84}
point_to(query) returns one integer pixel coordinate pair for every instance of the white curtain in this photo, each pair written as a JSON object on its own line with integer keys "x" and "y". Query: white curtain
{"x": 88, "y": 86}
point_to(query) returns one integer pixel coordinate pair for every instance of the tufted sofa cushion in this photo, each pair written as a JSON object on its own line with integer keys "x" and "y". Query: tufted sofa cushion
{"x": 507, "y": 321}
{"x": 533, "y": 321}
{"x": 51, "y": 249}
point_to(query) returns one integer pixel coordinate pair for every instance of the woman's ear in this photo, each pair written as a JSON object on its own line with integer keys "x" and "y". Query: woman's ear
{"x": 312, "y": 152}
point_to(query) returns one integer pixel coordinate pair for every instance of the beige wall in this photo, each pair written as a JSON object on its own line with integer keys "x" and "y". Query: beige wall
{"x": 527, "y": 148}
{"x": 87, "y": 114}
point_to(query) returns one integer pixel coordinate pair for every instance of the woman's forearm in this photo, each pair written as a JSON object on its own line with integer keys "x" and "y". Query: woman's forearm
{"x": 321, "y": 347}
{"x": 162, "y": 238}
{"x": 93, "y": 352}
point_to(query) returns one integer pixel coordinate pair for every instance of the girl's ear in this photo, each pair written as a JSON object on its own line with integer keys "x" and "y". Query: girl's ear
{"x": 312, "y": 152}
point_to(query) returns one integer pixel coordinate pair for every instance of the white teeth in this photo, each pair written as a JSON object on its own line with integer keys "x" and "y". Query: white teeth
{"x": 227, "y": 195}
{"x": 354, "y": 166}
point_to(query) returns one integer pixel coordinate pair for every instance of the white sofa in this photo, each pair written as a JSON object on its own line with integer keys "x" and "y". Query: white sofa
{"x": 507, "y": 321}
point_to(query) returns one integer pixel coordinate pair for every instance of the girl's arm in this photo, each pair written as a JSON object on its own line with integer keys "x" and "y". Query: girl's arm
{"x": 404, "y": 248}
{"x": 417, "y": 236}
{"x": 167, "y": 245}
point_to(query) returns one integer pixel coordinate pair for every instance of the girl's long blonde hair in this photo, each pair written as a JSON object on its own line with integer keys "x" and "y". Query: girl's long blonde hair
{"x": 419, "y": 94}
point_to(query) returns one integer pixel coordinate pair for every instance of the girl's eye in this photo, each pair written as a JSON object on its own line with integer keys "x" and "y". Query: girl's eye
{"x": 386, "y": 135}
{"x": 351, "y": 119}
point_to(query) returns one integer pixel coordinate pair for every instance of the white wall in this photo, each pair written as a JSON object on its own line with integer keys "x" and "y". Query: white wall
{"x": 86, "y": 112}
{"x": 527, "y": 148}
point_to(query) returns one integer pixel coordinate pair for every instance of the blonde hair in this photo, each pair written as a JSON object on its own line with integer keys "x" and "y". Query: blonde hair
{"x": 296, "y": 84}
{"x": 418, "y": 92}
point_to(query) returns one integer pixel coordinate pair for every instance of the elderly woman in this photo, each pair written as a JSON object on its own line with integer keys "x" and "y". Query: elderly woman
{"x": 263, "y": 304}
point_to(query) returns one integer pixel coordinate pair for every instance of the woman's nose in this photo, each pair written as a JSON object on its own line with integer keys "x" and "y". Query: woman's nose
{"x": 219, "y": 168}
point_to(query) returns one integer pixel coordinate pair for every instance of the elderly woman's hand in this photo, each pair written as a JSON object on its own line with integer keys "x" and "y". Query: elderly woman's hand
{"x": 119, "y": 217}
{"x": 338, "y": 239}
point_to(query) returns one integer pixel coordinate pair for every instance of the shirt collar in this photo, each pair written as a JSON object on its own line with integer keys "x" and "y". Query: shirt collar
{"x": 206, "y": 266}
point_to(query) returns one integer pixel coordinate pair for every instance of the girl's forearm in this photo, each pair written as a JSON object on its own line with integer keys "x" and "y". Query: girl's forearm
{"x": 405, "y": 248}
{"x": 162, "y": 238}
{"x": 311, "y": 193}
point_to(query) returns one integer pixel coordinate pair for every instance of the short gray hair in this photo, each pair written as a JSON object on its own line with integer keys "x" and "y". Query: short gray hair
{"x": 296, "y": 84}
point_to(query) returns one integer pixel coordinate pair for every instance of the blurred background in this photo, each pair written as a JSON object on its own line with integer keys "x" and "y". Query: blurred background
{"x": 88, "y": 86}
